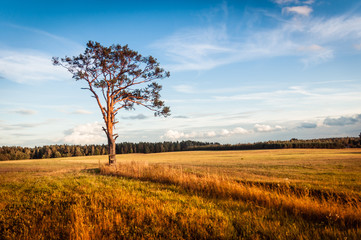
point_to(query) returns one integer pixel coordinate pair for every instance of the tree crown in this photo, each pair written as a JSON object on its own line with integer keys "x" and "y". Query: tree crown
{"x": 124, "y": 77}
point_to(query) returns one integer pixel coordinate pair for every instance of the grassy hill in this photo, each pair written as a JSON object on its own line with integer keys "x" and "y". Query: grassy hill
{"x": 260, "y": 194}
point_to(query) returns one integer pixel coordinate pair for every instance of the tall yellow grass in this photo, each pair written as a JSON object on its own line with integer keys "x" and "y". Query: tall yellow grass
{"x": 345, "y": 211}
{"x": 185, "y": 195}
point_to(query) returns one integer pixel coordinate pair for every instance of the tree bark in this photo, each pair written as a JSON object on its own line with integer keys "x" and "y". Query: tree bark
{"x": 111, "y": 151}
{"x": 111, "y": 144}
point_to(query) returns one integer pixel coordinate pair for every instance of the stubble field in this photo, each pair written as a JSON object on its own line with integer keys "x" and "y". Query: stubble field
{"x": 263, "y": 194}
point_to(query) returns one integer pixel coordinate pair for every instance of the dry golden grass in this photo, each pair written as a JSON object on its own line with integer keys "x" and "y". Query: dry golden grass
{"x": 274, "y": 194}
{"x": 332, "y": 169}
{"x": 345, "y": 209}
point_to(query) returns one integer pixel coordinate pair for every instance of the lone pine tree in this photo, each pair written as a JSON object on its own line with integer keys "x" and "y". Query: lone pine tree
{"x": 118, "y": 78}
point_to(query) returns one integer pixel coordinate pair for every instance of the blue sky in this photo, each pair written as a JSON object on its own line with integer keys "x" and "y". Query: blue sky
{"x": 241, "y": 71}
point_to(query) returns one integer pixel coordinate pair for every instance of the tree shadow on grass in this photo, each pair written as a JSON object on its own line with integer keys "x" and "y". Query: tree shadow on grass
{"x": 91, "y": 171}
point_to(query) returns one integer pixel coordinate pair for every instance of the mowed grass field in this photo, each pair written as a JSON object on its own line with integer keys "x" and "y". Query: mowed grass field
{"x": 260, "y": 194}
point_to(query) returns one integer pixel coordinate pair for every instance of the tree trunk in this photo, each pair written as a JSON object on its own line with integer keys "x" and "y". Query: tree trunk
{"x": 109, "y": 132}
{"x": 111, "y": 151}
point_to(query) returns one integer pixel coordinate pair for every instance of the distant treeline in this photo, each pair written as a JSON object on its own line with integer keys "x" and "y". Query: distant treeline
{"x": 57, "y": 151}
{"x": 329, "y": 143}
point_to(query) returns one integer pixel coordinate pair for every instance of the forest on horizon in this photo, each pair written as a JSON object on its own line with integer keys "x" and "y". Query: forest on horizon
{"x": 64, "y": 150}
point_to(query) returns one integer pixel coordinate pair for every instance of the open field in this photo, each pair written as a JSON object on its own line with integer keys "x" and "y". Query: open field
{"x": 265, "y": 194}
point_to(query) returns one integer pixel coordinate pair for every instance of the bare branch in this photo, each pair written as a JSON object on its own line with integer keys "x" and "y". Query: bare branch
{"x": 115, "y": 136}
{"x": 105, "y": 130}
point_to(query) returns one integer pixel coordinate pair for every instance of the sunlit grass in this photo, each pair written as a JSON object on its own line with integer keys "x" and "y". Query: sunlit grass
{"x": 276, "y": 194}
{"x": 344, "y": 209}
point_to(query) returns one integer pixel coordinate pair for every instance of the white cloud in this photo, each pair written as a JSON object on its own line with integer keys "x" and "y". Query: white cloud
{"x": 29, "y": 66}
{"x": 279, "y": 94}
{"x": 184, "y": 88}
{"x": 81, "y": 111}
{"x": 90, "y": 133}
{"x": 302, "y": 10}
{"x": 266, "y": 128}
{"x": 263, "y": 128}
{"x": 333, "y": 29}
{"x": 240, "y": 130}
{"x": 50, "y": 36}
{"x": 235, "y": 131}
{"x": 306, "y": 38}
{"x": 21, "y": 126}
{"x": 225, "y": 132}
{"x": 283, "y": 2}
{"x": 311, "y": 48}
{"x": 211, "y": 134}
{"x": 197, "y": 49}
{"x": 357, "y": 46}
{"x": 316, "y": 54}
{"x": 176, "y": 135}
{"x": 24, "y": 112}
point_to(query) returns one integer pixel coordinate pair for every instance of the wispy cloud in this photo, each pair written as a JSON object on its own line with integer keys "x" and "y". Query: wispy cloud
{"x": 22, "y": 135}
{"x": 337, "y": 28}
{"x": 24, "y": 112}
{"x": 180, "y": 116}
{"x": 311, "y": 48}
{"x": 285, "y": 2}
{"x": 23, "y": 126}
{"x": 46, "y": 34}
{"x": 314, "y": 40}
{"x": 357, "y": 46}
{"x": 290, "y": 92}
{"x": 136, "y": 117}
{"x": 315, "y": 54}
{"x": 81, "y": 111}
{"x": 197, "y": 49}
{"x": 26, "y": 66}
{"x": 184, "y": 88}
{"x": 301, "y": 10}
{"x": 281, "y": 2}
